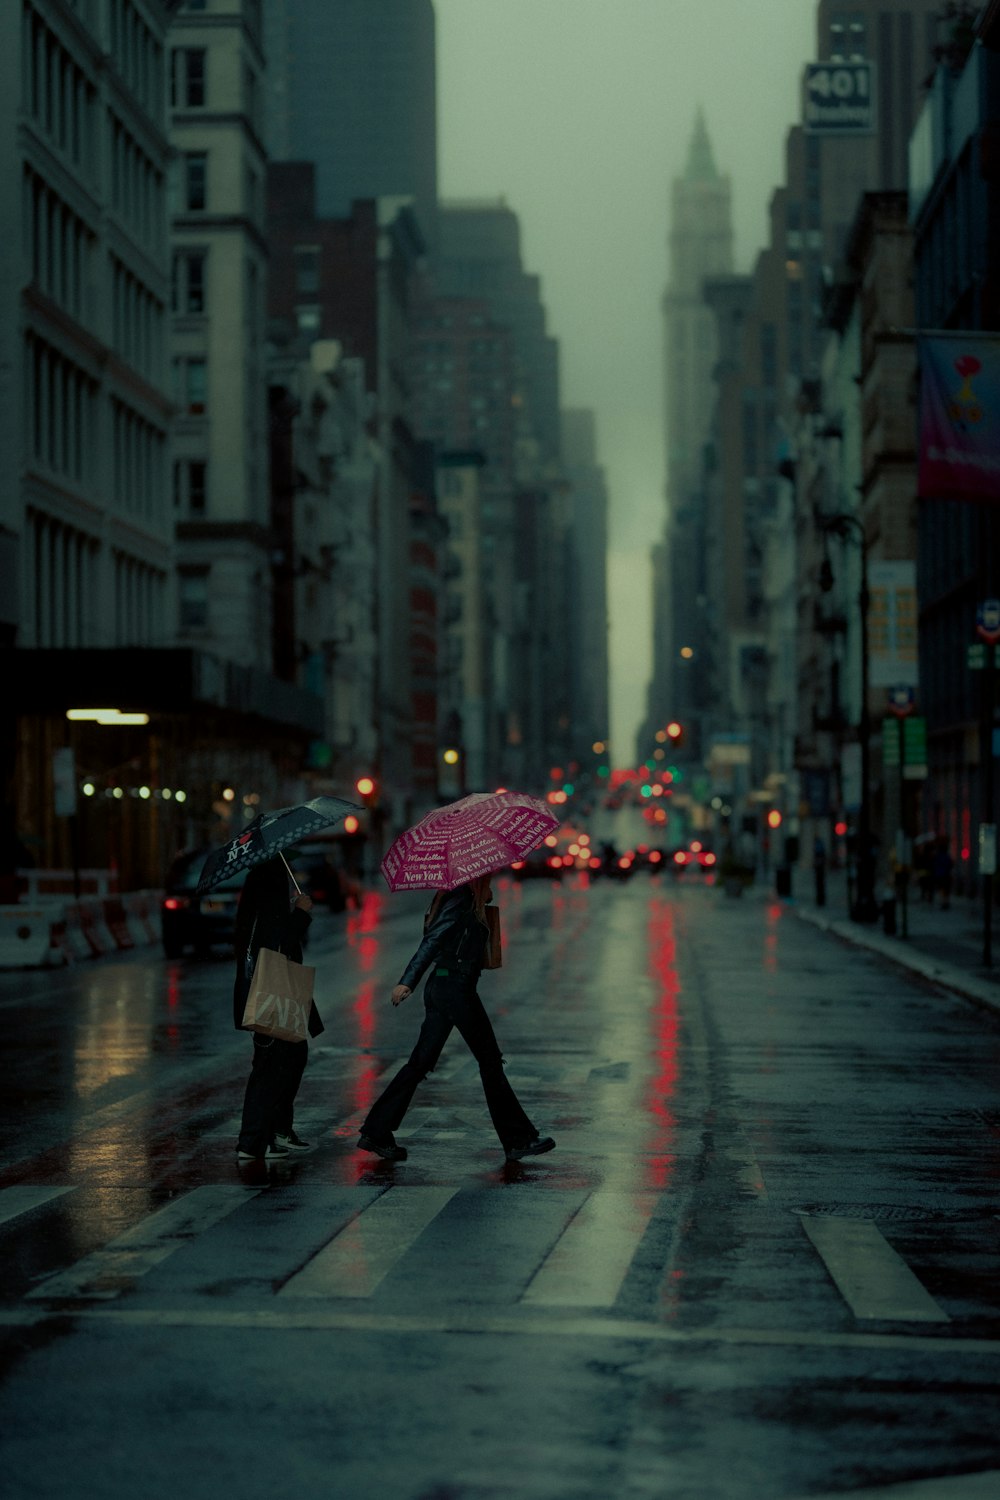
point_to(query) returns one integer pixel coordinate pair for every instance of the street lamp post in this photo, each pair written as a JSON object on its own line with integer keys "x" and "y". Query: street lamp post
{"x": 849, "y": 527}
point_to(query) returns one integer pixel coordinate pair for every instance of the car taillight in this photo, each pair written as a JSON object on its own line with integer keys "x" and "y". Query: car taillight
{"x": 172, "y": 904}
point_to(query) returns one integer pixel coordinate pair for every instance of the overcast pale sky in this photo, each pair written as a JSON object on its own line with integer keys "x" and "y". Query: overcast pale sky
{"x": 579, "y": 114}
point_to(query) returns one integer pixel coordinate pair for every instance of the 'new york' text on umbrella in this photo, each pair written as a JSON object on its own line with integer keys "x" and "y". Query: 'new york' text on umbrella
{"x": 477, "y": 835}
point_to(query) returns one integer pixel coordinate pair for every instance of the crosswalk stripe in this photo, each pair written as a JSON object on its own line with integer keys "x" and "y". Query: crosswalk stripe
{"x": 365, "y": 1251}
{"x": 873, "y": 1280}
{"x": 111, "y": 1270}
{"x": 590, "y": 1261}
{"x": 985, "y": 1486}
{"x": 23, "y": 1198}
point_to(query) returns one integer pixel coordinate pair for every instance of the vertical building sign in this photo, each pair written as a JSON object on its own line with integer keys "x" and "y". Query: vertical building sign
{"x": 892, "y": 624}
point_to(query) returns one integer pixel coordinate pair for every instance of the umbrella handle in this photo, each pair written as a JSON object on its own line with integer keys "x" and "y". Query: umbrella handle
{"x": 288, "y": 867}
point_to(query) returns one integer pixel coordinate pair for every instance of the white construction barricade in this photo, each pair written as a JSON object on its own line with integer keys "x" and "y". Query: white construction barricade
{"x": 28, "y": 936}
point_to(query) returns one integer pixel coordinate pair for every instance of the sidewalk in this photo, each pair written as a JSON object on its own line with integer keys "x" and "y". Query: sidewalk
{"x": 943, "y": 946}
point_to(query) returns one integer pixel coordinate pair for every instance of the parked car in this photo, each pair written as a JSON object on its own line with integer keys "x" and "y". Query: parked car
{"x": 188, "y": 920}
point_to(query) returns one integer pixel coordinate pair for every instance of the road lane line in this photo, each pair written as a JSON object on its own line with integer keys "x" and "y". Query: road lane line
{"x": 107, "y": 1272}
{"x": 22, "y": 1199}
{"x": 365, "y": 1251}
{"x": 983, "y": 1486}
{"x": 874, "y": 1281}
{"x": 590, "y": 1260}
{"x": 317, "y": 1319}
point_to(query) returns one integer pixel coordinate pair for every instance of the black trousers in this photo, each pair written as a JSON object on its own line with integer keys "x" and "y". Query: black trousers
{"x": 268, "y": 1103}
{"x": 453, "y": 1002}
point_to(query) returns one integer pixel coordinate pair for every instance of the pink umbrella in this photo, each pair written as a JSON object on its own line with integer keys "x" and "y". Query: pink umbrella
{"x": 474, "y": 836}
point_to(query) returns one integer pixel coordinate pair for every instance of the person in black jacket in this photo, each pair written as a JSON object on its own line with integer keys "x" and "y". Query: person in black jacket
{"x": 453, "y": 948}
{"x": 270, "y": 915}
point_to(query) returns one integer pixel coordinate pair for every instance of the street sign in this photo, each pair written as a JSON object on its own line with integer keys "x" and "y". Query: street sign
{"x": 988, "y": 620}
{"x": 987, "y": 848}
{"x": 904, "y": 745}
{"x": 838, "y": 98}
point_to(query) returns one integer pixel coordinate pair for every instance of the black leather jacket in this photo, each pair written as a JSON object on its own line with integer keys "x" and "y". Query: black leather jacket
{"x": 454, "y": 938}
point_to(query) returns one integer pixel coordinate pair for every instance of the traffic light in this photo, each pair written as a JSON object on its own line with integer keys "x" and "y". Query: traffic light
{"x": 675, "y": 732}
{"x": 366, "y": 788}
{"x": 774, "y": 818}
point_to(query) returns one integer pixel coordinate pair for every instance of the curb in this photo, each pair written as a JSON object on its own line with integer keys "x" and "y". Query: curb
{"x": 981, "y": 992}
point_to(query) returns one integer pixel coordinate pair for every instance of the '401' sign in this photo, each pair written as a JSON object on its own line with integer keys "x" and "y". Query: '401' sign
{"x": 838, "y": 98}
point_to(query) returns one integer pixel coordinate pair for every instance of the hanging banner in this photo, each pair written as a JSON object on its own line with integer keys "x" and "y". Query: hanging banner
{"x": 959, "y": 416}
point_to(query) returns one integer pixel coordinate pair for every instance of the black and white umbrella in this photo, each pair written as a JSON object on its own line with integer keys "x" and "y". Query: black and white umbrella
{"x": 268, "y": 834}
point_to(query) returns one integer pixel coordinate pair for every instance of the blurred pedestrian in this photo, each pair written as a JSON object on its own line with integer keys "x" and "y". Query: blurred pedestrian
{"x": 819, "y": 870}
{"x": 453, "y": 947}
{"x": 941, "y": 871}
{"x": 271, "y": 914}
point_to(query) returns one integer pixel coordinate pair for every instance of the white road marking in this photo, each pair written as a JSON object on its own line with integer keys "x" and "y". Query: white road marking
{"x": 985, "y": 1486}
{"x": 365, "y": 1251}
{"x": 22, "y": 1199}
{"x": 318, "y": 1319}
{"x": 112, "y": 1269}
{"x": 873, "y": 1280}
{"x": 590, "y": 1261}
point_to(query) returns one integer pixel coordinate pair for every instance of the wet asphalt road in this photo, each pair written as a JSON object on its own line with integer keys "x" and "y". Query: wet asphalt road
{"x": 761, "y": 1263}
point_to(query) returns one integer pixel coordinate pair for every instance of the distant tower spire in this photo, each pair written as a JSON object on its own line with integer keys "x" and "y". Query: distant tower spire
{"x": 701, "y": 163}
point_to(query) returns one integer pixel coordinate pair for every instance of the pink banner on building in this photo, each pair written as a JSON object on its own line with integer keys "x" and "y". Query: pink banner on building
{"x": 959, "y": 416}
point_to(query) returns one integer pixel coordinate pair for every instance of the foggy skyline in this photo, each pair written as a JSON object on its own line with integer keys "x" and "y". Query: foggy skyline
{"x": 579, "y": 114}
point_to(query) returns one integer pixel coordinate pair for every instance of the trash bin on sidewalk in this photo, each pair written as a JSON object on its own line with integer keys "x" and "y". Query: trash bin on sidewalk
{"x": 783, "y": 880}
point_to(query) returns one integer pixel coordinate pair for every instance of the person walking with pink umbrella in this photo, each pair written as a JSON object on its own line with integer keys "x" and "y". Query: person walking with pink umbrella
{"x": 444, "y": 848}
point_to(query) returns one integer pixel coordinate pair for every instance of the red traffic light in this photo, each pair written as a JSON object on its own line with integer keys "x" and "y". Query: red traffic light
{"x": 774, "y": 818}
{"x": 364, "y": 786}
{"x": 674, "y": 730}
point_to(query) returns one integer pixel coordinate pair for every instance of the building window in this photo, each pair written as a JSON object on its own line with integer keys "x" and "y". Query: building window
{"x": 187, "y": 78}
{"x": 193, "y": 590}
{"x": 191, "y": 486}
{"x": 187, "y": 292}
{"x": 195, "y": 180}
{"x": 190, "y": 384}
{"x": 307, "y": 268}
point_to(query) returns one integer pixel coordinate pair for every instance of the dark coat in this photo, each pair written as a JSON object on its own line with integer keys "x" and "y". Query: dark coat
{"x": 453, "y": 937}
{"x": 284, "y": 932}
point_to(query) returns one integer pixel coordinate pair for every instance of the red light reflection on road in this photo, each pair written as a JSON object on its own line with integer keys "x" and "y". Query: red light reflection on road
{"x": 775, "y": 912}
{"x": 366, "y": 1067}
{"x": 365, "y": 919}
{"x": 662, "y": 947}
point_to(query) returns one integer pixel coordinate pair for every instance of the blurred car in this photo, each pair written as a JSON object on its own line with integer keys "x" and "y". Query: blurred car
{"x": 320, "y": 874}
{"x": 695, "y": 857}
{"x": 188, "y": 920}
{"x": 543, "y": 863}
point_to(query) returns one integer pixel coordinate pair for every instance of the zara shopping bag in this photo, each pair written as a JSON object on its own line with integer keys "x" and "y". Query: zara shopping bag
{"x": 280, "y": 998}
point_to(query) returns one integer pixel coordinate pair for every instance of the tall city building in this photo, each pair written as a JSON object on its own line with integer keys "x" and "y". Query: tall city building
{"x": 587, "y": 590}
{"x": 700, "y": 246}
{"x": 85, "y": 515}
{"x": 352, "y": 87}
{"x": 218, "y": 290}
{"x": 523, "y": 518}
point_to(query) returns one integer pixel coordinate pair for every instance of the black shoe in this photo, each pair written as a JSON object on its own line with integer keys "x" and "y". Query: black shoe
{"x": 388, "y": 1150}
{"x": 273, "y": 1152}
{"x": 293, "y": 1142}
{"x": 535, "y": 1147}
